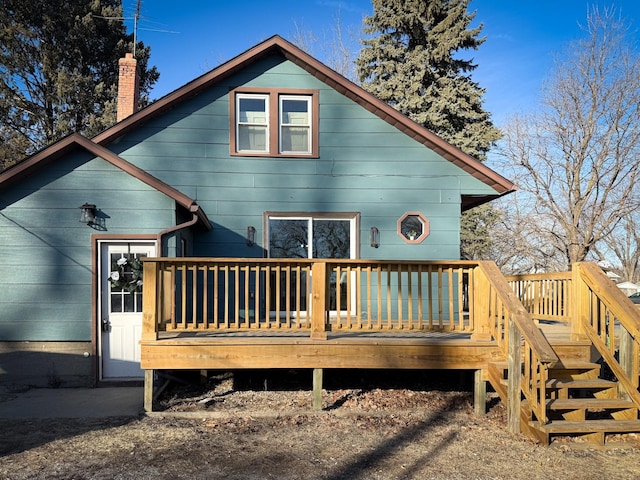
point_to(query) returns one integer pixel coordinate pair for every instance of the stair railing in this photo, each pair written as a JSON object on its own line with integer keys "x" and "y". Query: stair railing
{"x": 611, "y": 322}
{"x": 528, "y": 352}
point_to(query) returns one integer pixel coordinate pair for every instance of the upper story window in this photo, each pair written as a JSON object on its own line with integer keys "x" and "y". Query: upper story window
{"x": 295, "y": 124}
{"x": 272, "y": 122}
{"x": 252, "y": 134}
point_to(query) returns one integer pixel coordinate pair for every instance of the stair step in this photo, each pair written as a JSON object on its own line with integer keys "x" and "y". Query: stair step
{"x": 575, "y": 365}
{"x": 588, "y": 403}
{"x": 574, "y": 370}
{"x": 586, "y": 383}
{"x": 588, "y": 426}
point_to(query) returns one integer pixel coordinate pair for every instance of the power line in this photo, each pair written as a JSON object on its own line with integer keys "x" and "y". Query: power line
{"x": 136, "y": 17}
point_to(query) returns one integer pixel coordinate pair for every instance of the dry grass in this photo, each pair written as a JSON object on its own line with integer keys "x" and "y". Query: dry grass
{"x": 224, "y": 431}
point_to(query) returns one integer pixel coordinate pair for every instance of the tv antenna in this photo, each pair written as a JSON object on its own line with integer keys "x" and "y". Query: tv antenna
{"x": 135, "y": 26}
{"x": 136, "y": 21}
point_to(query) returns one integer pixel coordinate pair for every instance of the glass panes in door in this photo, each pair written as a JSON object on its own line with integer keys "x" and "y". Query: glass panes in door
{"x": 125, "y": 288}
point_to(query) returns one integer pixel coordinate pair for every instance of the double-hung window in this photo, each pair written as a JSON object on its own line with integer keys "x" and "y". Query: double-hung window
{"x": 252, "y": 134}
{"x": 295, "y": 124}
{"x": 273, "y": 122}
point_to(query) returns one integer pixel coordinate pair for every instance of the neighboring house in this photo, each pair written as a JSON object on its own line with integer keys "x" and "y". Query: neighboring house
{"x": 270, "y": 154}
{"x": 629, "y": 288}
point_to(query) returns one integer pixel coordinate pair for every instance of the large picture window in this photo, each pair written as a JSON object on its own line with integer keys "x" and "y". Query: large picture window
{"x": 317, "y": 236}
{"x": 271, "y": 122}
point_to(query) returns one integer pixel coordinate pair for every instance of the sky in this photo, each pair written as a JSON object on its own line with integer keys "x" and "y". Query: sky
{"x": 190, "y": 37}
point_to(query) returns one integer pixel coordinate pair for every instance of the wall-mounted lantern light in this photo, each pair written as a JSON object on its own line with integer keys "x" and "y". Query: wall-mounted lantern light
{"x": 251, "y": 236}
{"x": 88, "y": 213}
{"x": 374, "y": 237}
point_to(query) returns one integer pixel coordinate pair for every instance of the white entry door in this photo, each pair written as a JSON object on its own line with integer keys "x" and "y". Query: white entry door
{"x": 121, "y": 309}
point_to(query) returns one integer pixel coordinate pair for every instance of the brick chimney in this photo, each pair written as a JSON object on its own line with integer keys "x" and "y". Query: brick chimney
{"x": 128, "y": 87}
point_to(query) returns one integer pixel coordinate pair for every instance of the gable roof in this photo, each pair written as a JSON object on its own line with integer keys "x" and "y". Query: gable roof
{"x": 74, "y": 141}
{"x": 275, "y": 44}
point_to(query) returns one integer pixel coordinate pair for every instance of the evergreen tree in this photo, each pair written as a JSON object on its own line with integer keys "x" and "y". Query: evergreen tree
{"x": 412, "y": 61}
{"x": 59, "y": 71}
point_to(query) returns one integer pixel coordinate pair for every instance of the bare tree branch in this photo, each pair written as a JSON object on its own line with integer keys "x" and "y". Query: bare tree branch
{"x": 578, "y": 155}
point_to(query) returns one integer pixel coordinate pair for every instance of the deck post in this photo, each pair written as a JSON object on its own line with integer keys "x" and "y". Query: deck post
{"x": 480, "y": 296}
{"x": 319, "y": 289}
{"x": 515, "y": 377}
{"x": 150, "y": 288}
{"x": 580, "y": 311}
{"x": 479, "y": 393}
{"x": 317, "y": 389}
{"x": 148, "y": 391}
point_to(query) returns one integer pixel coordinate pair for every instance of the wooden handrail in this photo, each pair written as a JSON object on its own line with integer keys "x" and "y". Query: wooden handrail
{"x": 601, "y": 306}
{"x": 619, "y": 304}
{"x": 195, "y": 294}
{"x": 521, "y": 317}
{"x": 509, "y": 324}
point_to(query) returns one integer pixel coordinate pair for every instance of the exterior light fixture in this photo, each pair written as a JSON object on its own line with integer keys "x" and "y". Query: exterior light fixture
{"x": 374, "y": 237}
{"x": 251, "y": 236}
{"x": 88, "y": 213}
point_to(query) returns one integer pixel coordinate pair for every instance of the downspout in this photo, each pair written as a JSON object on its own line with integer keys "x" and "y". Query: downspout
{"x": 175, "y": 228}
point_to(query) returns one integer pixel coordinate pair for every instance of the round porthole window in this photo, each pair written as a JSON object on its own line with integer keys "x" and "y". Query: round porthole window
{"x": 413, "y": 227}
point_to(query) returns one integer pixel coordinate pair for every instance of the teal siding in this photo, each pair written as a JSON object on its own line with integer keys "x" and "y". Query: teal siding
{"x": 366, "y": 165}
{"x": 45, "y": 272}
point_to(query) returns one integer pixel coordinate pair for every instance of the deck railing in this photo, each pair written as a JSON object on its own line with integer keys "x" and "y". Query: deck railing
{"x": 317, "y": 296}
{"x": 209, "y": 295}
{"x": 596, "y": 309}
{"x": 528, "y": 352}
{"x": 611, "y": 322}
{"x": 546, "y": 296}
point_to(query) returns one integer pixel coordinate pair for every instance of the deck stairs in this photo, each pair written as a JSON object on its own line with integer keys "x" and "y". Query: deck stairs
{"x": 581, "y": 405}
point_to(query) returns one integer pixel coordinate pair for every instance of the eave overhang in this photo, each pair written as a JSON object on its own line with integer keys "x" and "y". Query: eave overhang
{"x": 75, "y": 141}
{"x": 277, "y": 44}
{"x": 274, "y": 45}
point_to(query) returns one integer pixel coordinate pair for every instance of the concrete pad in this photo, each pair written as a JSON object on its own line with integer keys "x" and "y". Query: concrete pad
{"x": 72, "y": 403}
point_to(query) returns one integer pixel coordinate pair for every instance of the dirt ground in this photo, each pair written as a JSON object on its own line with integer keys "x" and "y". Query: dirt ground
{"x": 394, "y": 427}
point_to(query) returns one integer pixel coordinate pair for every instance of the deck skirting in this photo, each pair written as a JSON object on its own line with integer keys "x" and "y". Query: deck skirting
{"x": 300, "y": 352}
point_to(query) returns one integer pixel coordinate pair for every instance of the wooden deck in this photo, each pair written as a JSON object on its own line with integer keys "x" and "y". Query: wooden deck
{"x": 237, "y": 350}
{"x": 520, "y": 334}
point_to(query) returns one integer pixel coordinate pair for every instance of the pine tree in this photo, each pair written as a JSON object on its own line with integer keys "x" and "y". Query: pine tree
{"x": 412, "y": 61}
{"x": 59, "y": 71}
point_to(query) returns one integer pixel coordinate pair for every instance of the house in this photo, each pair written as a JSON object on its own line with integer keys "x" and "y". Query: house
{"x": 628, "y": 288}
{"x": 271, "y": 154}
{"x": 271, "y": 214}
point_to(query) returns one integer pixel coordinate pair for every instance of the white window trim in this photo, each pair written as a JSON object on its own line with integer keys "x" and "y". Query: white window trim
{"x": 274, "y": 95}
{"x": 353, "y": 244}
{"x": 310, "y": 218}
{"x": 240, "y": 123}
{"x": 281, "y": 125}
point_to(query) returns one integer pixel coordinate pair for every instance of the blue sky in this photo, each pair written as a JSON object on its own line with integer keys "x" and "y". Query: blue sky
{"x": 190, "y": 37}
